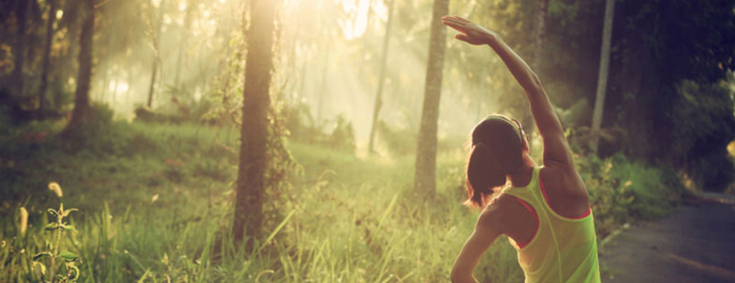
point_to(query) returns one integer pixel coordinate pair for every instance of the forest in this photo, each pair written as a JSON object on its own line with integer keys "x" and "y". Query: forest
{"x": 326, "y": 140}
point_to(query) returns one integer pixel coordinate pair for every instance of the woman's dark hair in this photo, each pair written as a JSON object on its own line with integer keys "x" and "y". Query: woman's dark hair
{"x": 497, "y": 149}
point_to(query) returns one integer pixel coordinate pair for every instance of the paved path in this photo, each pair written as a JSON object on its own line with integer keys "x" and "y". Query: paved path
{"x": 696, "y": 244}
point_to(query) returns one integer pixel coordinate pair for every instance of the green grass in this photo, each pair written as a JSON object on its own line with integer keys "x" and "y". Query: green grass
{"x": 345, "y": 218}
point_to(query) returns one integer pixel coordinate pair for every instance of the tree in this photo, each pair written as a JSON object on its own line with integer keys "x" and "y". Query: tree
{"x": 84, "y": 76}
{"x": 23, "y": 9}
{"x": 425, "y": 181}
{"x": 254, "y": 127}
{"x": 602, "y": 79}
{"x": 46, "y": 54}
{"x": 182, "y": 40}
{"x": 381, "y": 76}
{"x": 539, "y": 34}
{"x": 157, "y": 53}
{"x": 70, "y": 21}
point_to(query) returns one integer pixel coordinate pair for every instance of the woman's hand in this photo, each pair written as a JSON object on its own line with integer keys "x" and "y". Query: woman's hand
{"x": 472, "y": 33}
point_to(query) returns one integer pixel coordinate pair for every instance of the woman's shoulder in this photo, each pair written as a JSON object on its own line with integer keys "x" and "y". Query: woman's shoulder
{"x": 561, "y": 178}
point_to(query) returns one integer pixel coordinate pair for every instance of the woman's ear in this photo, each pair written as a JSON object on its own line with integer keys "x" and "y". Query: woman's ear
{"x": 524, "y": 139}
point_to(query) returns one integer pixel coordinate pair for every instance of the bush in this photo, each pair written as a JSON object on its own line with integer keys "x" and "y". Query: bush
{"x": 99, "y": 135}
{"x": 621, "y": 190}
{"x": 337, "y": 133}
{"x": 398, "y": 141}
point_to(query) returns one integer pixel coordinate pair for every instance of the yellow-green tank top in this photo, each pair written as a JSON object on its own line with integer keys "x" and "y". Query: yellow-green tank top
{"x": 563, "y": 249}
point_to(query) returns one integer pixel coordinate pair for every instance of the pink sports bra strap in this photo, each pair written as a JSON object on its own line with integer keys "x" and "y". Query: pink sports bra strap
{"x": 535, "y": 217}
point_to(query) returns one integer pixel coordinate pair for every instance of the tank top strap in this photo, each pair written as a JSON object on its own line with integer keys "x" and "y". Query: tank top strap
{"x": 528, "y": 193}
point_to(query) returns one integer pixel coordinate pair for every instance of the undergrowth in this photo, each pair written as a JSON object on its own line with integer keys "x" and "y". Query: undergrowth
{"x": 155, "y": 206}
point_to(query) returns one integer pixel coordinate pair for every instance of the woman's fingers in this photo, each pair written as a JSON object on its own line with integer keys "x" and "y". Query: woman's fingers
{"x": 462, "y": 19}
{"x": 447, "y": 19}
{"x": 462, "y": 37}
{"x": 455, "y": 25}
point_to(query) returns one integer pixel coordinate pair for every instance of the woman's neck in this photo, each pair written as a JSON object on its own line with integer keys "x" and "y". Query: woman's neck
{"x": 522, "y": 177}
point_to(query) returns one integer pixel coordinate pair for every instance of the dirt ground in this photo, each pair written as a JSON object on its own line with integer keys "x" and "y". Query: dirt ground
{"x": 695, "y": 244}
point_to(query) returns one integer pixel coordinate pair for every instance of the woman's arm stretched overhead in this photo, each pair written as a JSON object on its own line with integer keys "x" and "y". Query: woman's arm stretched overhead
{"x": 556, "y": 150}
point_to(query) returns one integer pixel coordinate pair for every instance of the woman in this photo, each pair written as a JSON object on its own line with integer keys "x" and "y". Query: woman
{"x": 545, "y": 210}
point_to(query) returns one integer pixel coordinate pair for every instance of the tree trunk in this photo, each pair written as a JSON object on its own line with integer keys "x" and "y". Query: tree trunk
{"x": 254, "y": 127}
{"x": 539, "y": 35}
{"x": 182, "y": 41}
{"x": 157, "y": 54}
{"x": 46, "y": 56}
{"x": 425, "y": 181}
{"x": 108, "y": 58}
{"x": 381, "y": 76}
{"x": 67, "y": 67}
{"x": 84, "y": 77}
{"x": 602, "y": 78}
{"x": 21, "y": 13}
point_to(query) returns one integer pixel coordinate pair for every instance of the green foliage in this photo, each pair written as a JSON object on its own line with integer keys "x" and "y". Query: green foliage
{"x": 398, "y": 141}
{"x": 621, "y": 190}
{"x": 701, "y": 139}
{"x": 43, "y": 266}
{"x": 337, "y": 133}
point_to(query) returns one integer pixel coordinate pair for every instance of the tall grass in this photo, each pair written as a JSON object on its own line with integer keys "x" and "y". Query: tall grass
{"x": 163, "y": 214}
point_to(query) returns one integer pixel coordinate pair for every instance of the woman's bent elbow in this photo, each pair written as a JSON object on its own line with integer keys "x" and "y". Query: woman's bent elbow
{"x": 457, "y": 276}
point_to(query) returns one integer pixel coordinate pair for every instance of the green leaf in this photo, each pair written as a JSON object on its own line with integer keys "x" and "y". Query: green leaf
{"x": 41, "y": 255}
{"x": 69, "y": 256}
{"x": 52, "y": 226}
{"x": 68, "y": 227}
{"x": 53, "y": 212}
{"x": 66, "y": 212}
{"x": 39, "y": 269}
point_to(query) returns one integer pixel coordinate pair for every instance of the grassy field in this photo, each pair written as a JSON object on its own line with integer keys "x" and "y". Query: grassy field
{"x": 155, "y": 205}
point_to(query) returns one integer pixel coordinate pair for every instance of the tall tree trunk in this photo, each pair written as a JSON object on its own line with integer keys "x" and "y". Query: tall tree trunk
{"x": 425, "y": 181}
{"x": 108, "y": 58}
{"x": 84, "y": 77}
{"x": 71, "y": 20}
{"x": 602, "y": 77}
{"x": 539, "y": 35}
{"x": 182, "y": 41}
{"x": 254, "y": 128}
{"x": 46, "y": 56}
{"x": 157, "y": 54}
{"x": 381, "y": 76}
{"x": 21, "y": 13}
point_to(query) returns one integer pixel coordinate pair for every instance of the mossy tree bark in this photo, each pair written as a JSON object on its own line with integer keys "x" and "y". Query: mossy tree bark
{"x": 425, "y": 180}
{"x": 254, "y": 127}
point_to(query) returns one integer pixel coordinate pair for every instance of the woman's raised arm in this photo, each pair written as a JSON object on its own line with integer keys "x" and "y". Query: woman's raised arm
{"x": 556, "y": 149}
